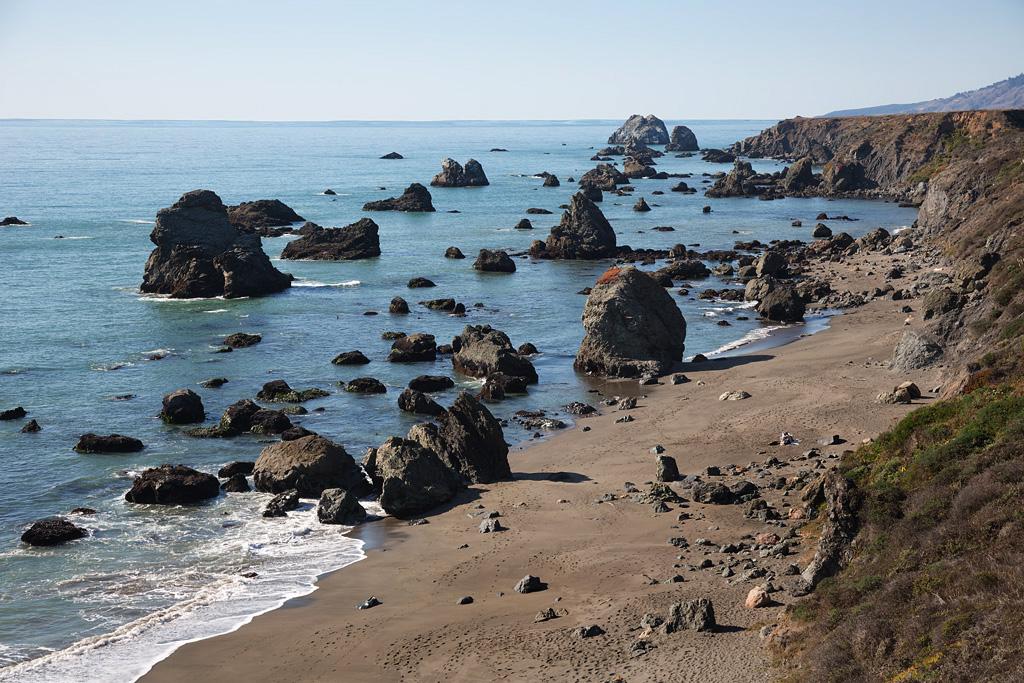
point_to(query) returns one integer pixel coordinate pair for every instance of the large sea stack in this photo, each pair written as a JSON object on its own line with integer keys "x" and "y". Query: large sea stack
{"x": 416, "y": 198}
{"x": 356, "y": 241}
{"x": 682, "y": 140}
{"x": 632, "y": 325}
{"x": 649, "y": 130}
{"x": 199, "y": 254}
{"x": 262, "y": 216}
{"x": 584, "y": 233}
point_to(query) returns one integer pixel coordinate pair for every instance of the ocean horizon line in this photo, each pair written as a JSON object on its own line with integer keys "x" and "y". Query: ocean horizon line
{"x": 346, "y": 122}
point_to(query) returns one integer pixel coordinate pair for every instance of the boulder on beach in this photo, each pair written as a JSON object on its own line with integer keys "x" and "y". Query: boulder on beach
{"x": 52, "y": 531}
{"x": 454, "y": 175}
{"x": 649, "y": 130}
{"x": 682, "y": 139}
{"x": 172, "y": 485}
{"x": 308, "y": 465}
{"x": 583, "y": 233}
{"x": 282, "y": 503}
{"x": 182, "y": 407}
{"x": 481, "y": 350}
{"x": 469, "y": 440}
{"x": 110, "y": 443}
{"x": 914, "y": 351}
{"x": 338, "y": 506}
{"x": 359, "y": 240}
{"x": 632, "y": 327}
{"x": 494, "y": 262}
{"x": 259, "y": 215}
{"x": 200, "y": 254}
{"x": 776, "y": 300}
{"x": 416, "y": 198}
{"x": 411, "y": 479}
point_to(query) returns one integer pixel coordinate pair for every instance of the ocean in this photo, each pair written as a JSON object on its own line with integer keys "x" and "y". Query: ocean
{"x": 76, "y": 334}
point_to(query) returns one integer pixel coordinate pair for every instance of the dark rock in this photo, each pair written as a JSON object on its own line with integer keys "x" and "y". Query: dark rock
{"x": 398, "y": 306}
{"x": 603, "y": 177}
{"x": 329, "y": 192}
{"x": 527, "y": 349}
{"x": 416, "y": 198}
{"x": 112, "y": 443}
{"x": 52, "y": 531}
{"x": 279, "y": 391}
{"x": 431, "y": 383}
{"x": 413, "y": 401}
{"x": 214, "y": 382}
{"x": 641, "y": 206}
{"x": 717, "y": 156}
{"x": 241, "y": 340}
{"x": 172, "y": 485}
{"x": 821, "y": 231}
{"x": 418, "y": 282}
{"x": 295, "y": 433}
{"x": 280, "y": 504}
{"x": 257, "y": 216}
{"x": 199, "y": 254}
{"x": 534, "y": 211}
{"x": 469, "y": 440}
{"x": 392, "y": 155}
{"x": 682, "y": 139}
{"x": 844, "y": 176}
{"x": 454, "y": 252}
{"x": 551, "y": 181}
{"x": 799, "y": 176}
{"x": 411, "y": 479}
{"x": 667, "y": 469}
{"x": 530, "y": 584}
{"x": 338, "y": 506}
{"x": 13, "y": 413}
{"x": 694, "y": 615}
{"x": 413, "y": 348}
{"x": 243, "y": 467}
{"x": 12, "y": 220}
{"x": 776, "y": 300}
{"x": 359, "y": 240}
{"x": 494, "y": 262}
{"x": 31, "y": 427}
{"x": 366, "y": 385}
{"x": 182, "y": 407}
{"x": 715, "y": 493}
{"x": 309, "y": 465}
{"x": 524, "y": 224}
{"x": 236, "y": 483}
{"x": 481, "y": 350}
{"x": 837, "y": 531}
{"x": 649, "y": 130}
{"x": 351, "y": 358}
{"x": 632, "y": 326}
{"x": 454, "y": 175}
{"x": 498, "y": 385}
{"x": 584, "y": 233}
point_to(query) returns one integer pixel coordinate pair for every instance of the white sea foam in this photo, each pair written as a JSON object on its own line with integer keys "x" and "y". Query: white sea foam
{"x": 77, "y": 237}
{"x": 217, "y": 310}
{"x": 317, "y": 283}
{"x": 756, "y": 334}
{"x": 139, "y": 221}
{"x": 290, "y": 553}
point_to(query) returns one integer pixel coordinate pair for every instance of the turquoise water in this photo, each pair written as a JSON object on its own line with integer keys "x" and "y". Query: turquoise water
{"x": 75, "y": 333}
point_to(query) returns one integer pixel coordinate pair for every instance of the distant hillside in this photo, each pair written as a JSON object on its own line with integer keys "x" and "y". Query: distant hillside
{"x": 1008, "y": 94}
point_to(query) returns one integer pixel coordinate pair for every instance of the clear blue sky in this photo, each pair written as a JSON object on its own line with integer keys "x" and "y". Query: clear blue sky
{"x": 524, "y": 59}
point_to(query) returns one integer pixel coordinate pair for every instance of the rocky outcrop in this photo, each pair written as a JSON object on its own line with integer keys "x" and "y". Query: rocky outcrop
{"x": 52, "y": 531}
{"x": 482, "y": 350}
{"x": 200, "y": 254}
{"x": 356, "y": 241}
{"x": 603, "y": 177}
{"x": 632, "y": 327}
{"x": 413, "y": 348}
{"x": 182, "y": 407}
{"x": 111, "y": 443}
{"x": 245, "y": 417}
{"x": 914, "y": 351}
{"x": 416, "y": 402}
{"x": 469, "y": 440}
{"x": 410, "y": 478}
{"x": 172, "y": 485}
{"x": 454, "y": 175}
{"x": 741, "y": 181}
{"x": 309, "y": 465}
{"x": 776, "y": 300}
{"x": 494, "y": 262}
{"x": 682, "y": 139}
{"x": 837, "y": 532}
{"x": 279, "y": 391}
{"x": 416, "y": 198}
{"x": 649, "y": 130}
{"x": 11, "y": 220}
{"x": 799, "y": 176}
{"x": 338, "y": 506}
{"x": 261, "y": 215}
{"x": 583, "y": 233}
{"x": 242, "y": 340}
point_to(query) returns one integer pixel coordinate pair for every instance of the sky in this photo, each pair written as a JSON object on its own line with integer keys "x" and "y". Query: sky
{"x": 526, "y": 59}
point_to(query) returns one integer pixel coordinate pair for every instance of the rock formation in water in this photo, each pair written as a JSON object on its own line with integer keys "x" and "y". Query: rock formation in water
{"x": 682, "y": 139}
{"x": 262, "y": 216}
{"x": 416, "y": 198}
{"x": 632, "y": 327}
{"x": 603, "y": 177}
{"x": 454, "y": 175}
{"x": 309, "y": 465}
{"x": 172, "y": 485}
{"x": 482, "y": 350}
{"x": 584, "y": 233}
{"x": 649, "y": 130}
{"x": 199, "y": 254}
{"x": 359, "y": 240}
{"x": 494, "y": 262}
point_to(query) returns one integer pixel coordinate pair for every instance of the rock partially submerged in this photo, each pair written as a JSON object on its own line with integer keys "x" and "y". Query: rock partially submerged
{"x": 172, "y": 485}
{"x": 454, "y": 175}
{"x": 632, "y": 327}
{"x": 360, "y": 240}
{"x": 481, "y": 350}
{"x": 260, "y": 215}
{"x": 416, "y": 198}
{"x": 338, "y": 506}
{"x": 494, "y": 262}
{"x": 309, "y": 465}
{"x": 111, "y": 443}
{"x": 52, "y": 531}
{"x": 584, "y": 233}
{"x": 649, "y": 130}
{"x": 182, "y": 407}
{"x": 682, "y": 139}
{"x": 199, "y": 254}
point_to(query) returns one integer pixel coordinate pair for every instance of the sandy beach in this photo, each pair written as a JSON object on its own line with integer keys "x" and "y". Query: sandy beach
{"x": 606, "y": 558}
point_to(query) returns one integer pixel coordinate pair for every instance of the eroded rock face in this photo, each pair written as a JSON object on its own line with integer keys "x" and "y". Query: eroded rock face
{"x": 469, "y": 440}
{"x": 914, "y": 351}
{"x": 482, "y": 350}
{"x": 649, "y": 130}
{"x": 584, "y": 233}
{"x": 840, "y": 527}
{"x": 172, "y": 485}
{"x": 52, "y": 531}
{"x": 682, "y": 139}
{"x": 356, "y": 241}
{"x": 416, "y": 198}
{"x": 257, "y": 216}
{"x": 412, "y": 479}
{"x": 632, "y": 325}
{"x": 799, "y": 176}
{"x": 309, "y": 465}
{"x": 454, "y": 175}
{"x": 199, "y": 254}
{"x": 739, "y": 182}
